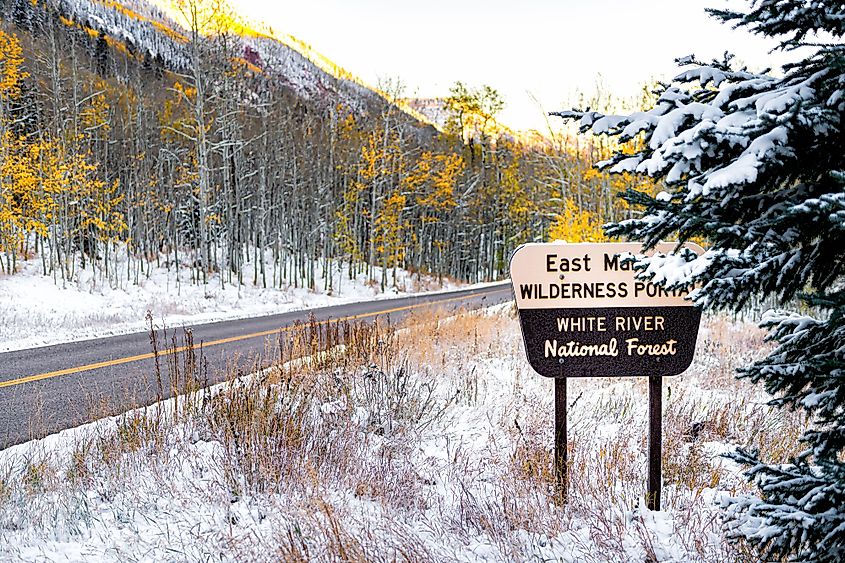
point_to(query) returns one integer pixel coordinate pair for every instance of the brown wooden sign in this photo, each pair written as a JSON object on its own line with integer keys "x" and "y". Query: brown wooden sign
{"x": 584, "y": 314}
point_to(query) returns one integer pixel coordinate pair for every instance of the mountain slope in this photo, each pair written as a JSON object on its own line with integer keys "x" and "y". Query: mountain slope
{"x": 151, "y": 29}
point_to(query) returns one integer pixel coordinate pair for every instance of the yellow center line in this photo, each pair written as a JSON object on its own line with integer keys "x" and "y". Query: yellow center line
{"x": 148, "y": 355}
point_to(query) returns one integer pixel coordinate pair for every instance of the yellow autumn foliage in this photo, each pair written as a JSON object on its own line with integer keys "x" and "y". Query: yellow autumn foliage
{"x": 433, "y": 179}
{"x": 573, "y": 225}
{"x": 11, "y": 66}
{"x": 42, "y": 185}
{"x": 389, "y": 229}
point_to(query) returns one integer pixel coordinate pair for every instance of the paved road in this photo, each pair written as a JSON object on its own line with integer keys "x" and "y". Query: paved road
{"x": 44, "y": 390}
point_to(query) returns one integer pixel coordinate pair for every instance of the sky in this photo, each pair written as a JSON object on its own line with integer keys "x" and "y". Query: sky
{"x": 539, "y": 54}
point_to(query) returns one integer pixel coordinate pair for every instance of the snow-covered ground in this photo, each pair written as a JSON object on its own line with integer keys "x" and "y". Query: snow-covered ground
{"x": 38, "y": 310}
{"x": 432, "y": 443}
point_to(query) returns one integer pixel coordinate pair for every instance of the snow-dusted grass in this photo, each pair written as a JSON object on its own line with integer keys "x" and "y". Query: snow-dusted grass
{"x": 428, "y": 443}
{"x": 39, "y": 310}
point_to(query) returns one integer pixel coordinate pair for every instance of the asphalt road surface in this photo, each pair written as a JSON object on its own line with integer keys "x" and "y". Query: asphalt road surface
{"x": 44, "y": 390}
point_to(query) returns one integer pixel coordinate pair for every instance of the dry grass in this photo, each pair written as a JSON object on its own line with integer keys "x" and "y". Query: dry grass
{"x": 428, "y": 441}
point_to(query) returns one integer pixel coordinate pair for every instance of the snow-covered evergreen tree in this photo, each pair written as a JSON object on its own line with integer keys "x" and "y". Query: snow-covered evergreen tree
{"x": 754, "y": 162}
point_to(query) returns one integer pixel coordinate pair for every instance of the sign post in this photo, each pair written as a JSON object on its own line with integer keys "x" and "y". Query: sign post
{"x": 561, "y": 460}
{"x": 655, "y": 441}
{"x": 584, "y": 313}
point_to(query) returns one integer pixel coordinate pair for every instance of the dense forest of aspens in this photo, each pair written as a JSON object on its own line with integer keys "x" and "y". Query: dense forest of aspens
{"x": 189, "y": 147}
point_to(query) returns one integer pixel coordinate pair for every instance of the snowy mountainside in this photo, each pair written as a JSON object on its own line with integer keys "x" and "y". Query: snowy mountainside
{"x": 433, "y": 108}
{"x": 150, "y": 29}
{"x": 137, "y": 24}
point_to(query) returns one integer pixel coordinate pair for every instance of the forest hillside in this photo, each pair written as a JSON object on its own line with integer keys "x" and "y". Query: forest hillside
{"x": 211, "y": 146}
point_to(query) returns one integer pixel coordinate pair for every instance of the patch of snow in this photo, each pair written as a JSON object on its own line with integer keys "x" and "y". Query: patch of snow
{"x": 38, "y": 310}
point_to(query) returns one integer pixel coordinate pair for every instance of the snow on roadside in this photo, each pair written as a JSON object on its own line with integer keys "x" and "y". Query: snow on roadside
{"x": 38, "y": 311}
{"x": 361, "y": 479}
